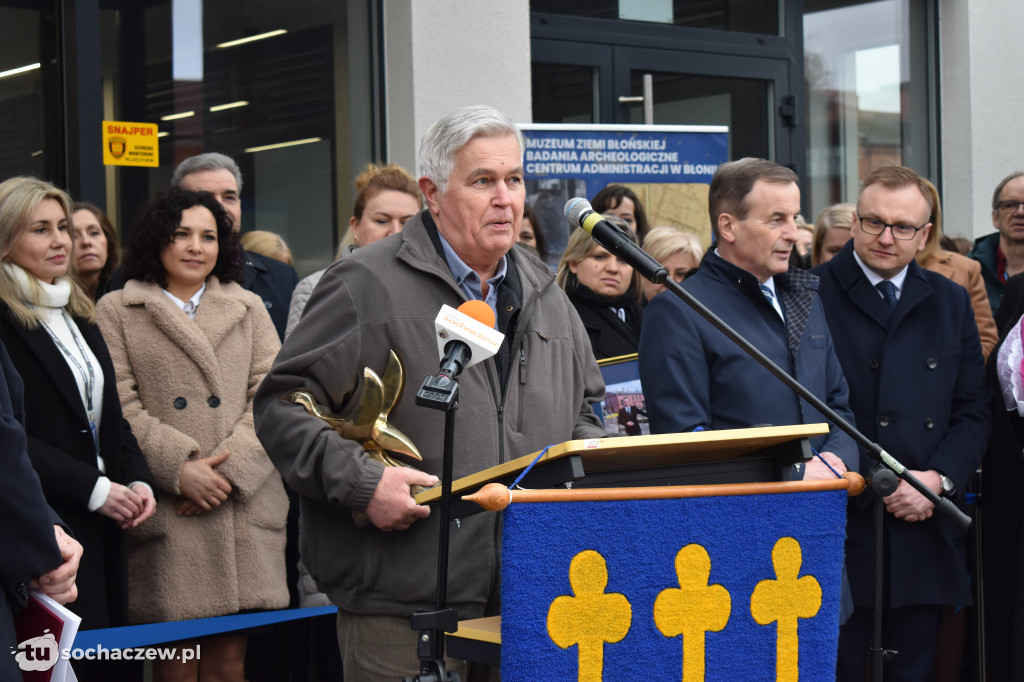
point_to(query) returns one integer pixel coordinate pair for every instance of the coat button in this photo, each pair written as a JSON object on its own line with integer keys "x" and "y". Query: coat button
{"x": 884, "y": 421}
{"x": 932, "y": 363}
{"x": 929, "y": 423}
{"x": 269, "y": 304}
{"x": 873, "y": 364}
{"x": 180, "y": 403}
{"x": 213, "y": 401}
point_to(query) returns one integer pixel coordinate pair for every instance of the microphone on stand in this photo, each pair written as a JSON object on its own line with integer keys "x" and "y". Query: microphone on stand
{"x": 464, "y": 337}
{"x": 581, "y": 214}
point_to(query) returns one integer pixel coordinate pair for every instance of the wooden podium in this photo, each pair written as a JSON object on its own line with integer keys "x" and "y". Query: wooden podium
{"x": 732, "y": 456}
{"x": 733, "y": 524}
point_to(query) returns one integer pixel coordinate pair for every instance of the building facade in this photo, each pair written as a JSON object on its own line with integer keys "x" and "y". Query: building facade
{"x": 305, "y": 93}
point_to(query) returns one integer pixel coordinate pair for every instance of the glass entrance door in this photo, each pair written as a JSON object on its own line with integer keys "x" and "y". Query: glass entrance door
{"x": 752, "y": 96}
{"x": 742, "y": 104}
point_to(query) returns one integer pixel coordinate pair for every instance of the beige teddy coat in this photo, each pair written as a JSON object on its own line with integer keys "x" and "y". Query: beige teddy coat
{"x": 187, "y": 388}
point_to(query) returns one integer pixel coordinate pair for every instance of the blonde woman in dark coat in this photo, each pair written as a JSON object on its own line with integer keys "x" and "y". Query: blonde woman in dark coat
{"x": 88, "y": 461}
{"x": 190, "y": 347}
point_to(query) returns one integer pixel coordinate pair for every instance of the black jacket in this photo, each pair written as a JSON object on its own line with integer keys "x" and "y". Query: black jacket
{"x": 274, "y": 282}
{"x": 1002, "y": 533}
{"x": 610, "y": 337}
{"x": 917, "y": 388}
{"x": 26, "y": 522}
{"x": 61, "y": 448}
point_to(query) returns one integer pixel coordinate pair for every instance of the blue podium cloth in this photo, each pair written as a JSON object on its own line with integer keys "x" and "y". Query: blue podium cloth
{"x": 639, "y": 542}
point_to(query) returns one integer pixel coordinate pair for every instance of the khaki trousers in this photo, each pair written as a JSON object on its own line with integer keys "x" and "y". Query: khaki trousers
{"x": 382, "y": 649}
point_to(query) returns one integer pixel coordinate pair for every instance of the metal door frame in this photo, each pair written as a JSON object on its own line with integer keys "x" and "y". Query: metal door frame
{"x": 615, "y": 48}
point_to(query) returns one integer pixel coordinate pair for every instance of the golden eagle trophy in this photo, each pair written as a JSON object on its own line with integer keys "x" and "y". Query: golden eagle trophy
{"x": 369, "y": 424}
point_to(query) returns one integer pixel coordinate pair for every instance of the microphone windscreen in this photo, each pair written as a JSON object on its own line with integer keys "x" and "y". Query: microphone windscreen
{"x": 574, "y": 210}
{"x": 479, "y": 311}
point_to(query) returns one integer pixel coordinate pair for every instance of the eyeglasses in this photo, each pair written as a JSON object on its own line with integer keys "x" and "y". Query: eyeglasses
{"x": 1009, "y": 206}
{"x": 876, "y": 227}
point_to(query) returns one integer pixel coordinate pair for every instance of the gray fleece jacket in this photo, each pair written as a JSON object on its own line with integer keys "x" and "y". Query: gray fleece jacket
{"x": 385, "y": 296}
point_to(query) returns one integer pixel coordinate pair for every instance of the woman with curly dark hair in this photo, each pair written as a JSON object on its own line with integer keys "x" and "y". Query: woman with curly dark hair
{"x": 96, "y": 254}
{"x": 190, "y": 347}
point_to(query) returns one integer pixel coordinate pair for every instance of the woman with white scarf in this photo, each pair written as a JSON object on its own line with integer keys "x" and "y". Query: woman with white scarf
{"x": 89, "y": 463}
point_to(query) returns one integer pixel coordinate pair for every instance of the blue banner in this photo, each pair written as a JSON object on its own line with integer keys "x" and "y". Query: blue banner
{"x": 713, "y": 588}
{"x": 605, "y": 154}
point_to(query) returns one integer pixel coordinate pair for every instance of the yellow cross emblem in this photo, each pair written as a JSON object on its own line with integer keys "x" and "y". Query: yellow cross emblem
{"x": 590, "y": 618}
{"x": 784, "y": 601}
{"x": 692, "y": 609}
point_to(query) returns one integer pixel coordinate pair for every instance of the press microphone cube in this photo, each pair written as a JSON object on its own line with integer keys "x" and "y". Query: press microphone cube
{"x": 453, "y": 325}
{"x": 462, "y": 341}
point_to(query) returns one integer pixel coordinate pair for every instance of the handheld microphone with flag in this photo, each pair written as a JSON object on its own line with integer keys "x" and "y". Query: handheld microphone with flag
{"x": 464, "y": 337}
{"x": 581, "y": 214}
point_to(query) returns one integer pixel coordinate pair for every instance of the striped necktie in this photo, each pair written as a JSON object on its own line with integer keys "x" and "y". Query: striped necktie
{"x": 770, "y": 297}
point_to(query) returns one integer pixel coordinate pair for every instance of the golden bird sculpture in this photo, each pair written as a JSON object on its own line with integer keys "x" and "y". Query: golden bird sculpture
{"x": 369, "y": 424}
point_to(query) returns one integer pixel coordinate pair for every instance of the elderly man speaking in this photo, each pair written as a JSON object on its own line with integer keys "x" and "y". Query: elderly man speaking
{"x": 539, "y": 389}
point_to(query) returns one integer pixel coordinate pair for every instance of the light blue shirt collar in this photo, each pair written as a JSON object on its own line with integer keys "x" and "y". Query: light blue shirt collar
{"x": 467, "y": 279}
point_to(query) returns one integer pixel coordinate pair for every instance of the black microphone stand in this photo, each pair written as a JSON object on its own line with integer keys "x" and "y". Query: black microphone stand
{"x": 439, "y": 392}
{"x": 656, "y": 273}
{"x": 883, "y": 483}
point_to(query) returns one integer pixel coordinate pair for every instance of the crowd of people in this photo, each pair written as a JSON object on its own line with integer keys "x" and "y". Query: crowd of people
{"x": 156, "y": 474}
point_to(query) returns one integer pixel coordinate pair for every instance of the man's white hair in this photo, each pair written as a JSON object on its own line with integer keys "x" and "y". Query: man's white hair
{"x": 453, "y": 131}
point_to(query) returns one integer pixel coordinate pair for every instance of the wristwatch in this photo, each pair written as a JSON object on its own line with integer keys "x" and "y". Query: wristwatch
{"x": 947, "y": 485}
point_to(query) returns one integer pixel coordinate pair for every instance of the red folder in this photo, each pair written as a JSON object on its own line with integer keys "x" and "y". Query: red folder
{"x": 44, "y": 629}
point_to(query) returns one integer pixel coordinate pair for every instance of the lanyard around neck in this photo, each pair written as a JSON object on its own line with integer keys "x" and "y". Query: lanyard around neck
{"x": 87, "y": 373}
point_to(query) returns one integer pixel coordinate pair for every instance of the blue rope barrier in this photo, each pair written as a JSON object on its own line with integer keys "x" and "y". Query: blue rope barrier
{"x": 132, "y": 636}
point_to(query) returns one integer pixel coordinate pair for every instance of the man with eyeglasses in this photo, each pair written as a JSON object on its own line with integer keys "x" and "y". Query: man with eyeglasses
{"x": 1001, "y": 253}
{"x": 909, "y": 347}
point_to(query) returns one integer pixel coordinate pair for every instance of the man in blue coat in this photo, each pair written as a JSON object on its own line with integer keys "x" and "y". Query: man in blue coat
{"x": 694, "y": 376}
{"x": 908, "y": 344}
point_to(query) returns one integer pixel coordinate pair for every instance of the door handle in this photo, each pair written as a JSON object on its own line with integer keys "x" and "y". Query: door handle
{"x": 647, "y": 99}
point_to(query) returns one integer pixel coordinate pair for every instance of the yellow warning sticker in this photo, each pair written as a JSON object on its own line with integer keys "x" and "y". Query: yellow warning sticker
{"x": 130, "y": 144}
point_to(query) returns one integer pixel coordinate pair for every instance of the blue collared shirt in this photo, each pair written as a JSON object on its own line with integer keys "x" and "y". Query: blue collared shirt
{"x": 469, "y": 281}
